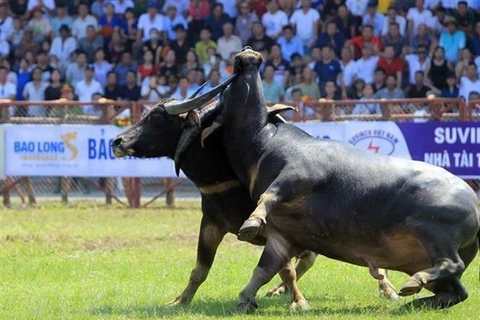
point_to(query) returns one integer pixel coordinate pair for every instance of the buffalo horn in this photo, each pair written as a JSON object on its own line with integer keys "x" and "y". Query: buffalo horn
{"x": 194, "y": 94}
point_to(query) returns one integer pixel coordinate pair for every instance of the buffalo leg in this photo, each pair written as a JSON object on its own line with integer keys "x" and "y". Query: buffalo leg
{"x": 289, "y": 278}
{"x": 385, "y": 287}
{"x": 304, "y": 263}
{"x": 275, "y": 255}
{"x": 447, "y": 294}
{"x": 208, "y": 241}
{"x": 253, "y": 225}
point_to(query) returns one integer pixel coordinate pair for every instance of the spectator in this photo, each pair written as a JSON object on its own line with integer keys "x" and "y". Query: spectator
{"x": 308, "y": 85}
{"x": 172, "y": 19}
{"x": 244, "y": 21}
{"x": 109, "y": 23}
{"x": 198, "y": 11}
{"x": 438, "y": 69}
{"x": 367, "y": 108}
{"x": 86, "y": 88}
{"x": 379, "y": 80}
{"x": 155, "y": 45}
{"x": 215, "y": 22}
{"x": 345, "y": 22}
{"x": 152, "y": 90}
{"x": 26, "y": 45}
{"x": 8, "y": 90}
{"x": 83, "y": 22}
{"x": 35, "y": 91}
{"x": 356, "y": 90}
{"x": 395, "y": 39}
{"x": 306, "y": 22}
{"x": 11, "y": 75}
{"x": 439, "y": 22}
{"x": 76, "y": 70}
{"x": 202, "y": 46}
{"x": 62, "y": 18}
{"x": 213, "y": 80}
{"x": 272, "y": 89}
{"x": 63, "y": 45}
{"x": 192, "y": 62}
{"x": 391, "y": 91}
{"x": 391, "y": 65}
{"x": 464, "y": 17}
{"x": 296, "y": 65}
{"x": 170, "y": 66}
{"x": 348, "y": 68}
{"x": 394, "y": 17}
{"x": 111, "y": 88}
{"x": 215, "y": 63}
{"x": 229, "y": 42}
{"x": 4, "y": 48}
{"x": 182, "y": 91}
{"x": 365, "y": 66}
{"x": 477, "y": 62}
{"x": 423, "y": 39}
{"x": 121, "y": 6}
{"x": 280, "y": 65}
{"x": 452, "y": 40}
{"x": 358, "y": 8}
{"x": 90, "y": 43}
{"x": 451, "y": 88}
{"x": 131, "y": 27}
{"x": 147, "y": 67}
{"x": 330, "y": 9}
{"x": 15, "y": 37}
{"x": 180, "y": 5}
{"x": 43, "y": 65}
{"x": 469, "y": 82}
{"x": 130, "y": 91}
{"x": 230, "y": 8}
{"x": 6, "y": 22}
{"x": 181, "y": 45}
{"x": 259, "y": 41}
{"x": 330, "y": 93}
{"x": 23, "y": 76}
{"x": 192, "y": 80}
{"x": 417, "y": 62}
{"x": 374, "y": 18}
{"x": 419, "y": 89}
{"x": 18, "y": 8}
{"x": 101, "y": 67}
{"x": 98, "y": 8}
{"x": 416, "y": 16}
{"x": 274, "y": 20}
{"x": 148, "y": 21}
{"x": 332, "y": 37}
{"x": 123, "y": 67}
{"x": 289, "y": 43}
{"x": 367, "y": 38}
{"x": 328, "y": 68}
{"x": 40, "y": 25}
{"x": 116, "y": 48}
{"x": 47, "y": 5}
{"x": 475, "y": 41}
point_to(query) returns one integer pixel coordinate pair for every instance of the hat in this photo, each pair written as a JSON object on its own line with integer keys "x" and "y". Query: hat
{"x": 66, "y": 89}
{"x": 178, "y": 27}
{"x": 89, "y": 67}
{"x": 64, "y": 27}
{"x": 152, "y": 4}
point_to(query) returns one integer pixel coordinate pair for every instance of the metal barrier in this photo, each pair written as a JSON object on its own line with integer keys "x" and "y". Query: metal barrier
{"x": 109, "y": 112}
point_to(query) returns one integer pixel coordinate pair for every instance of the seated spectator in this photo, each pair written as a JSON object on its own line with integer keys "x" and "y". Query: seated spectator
{"x": 131, "y": 27}
{"x": 297, "y": 64}
{"x": 4, "y": 48}
{"x": 379, "y": 80}
{"x": 182, "y": 91}
{"x": 98, "y": 8}
{"x": 47, "y": 5}
{"x": 470, "y": 82}
{"x": 462, "y": 65}
{"x": 475, "y": 95}
{"x": 53, "y": 91}
{"x": 439, "y": 22}
{"x": 214, "y": 23}
{"x": 308, "y": 86}
{"x": 358, "y": 8}
{"x": 293, "y": 82}
{"x": 101, "y": 67}
{"x": 417, "y": 16}
{"x": 23, "y": 76}
{"x": 43, "y": 65}
{"x": 374, "y": 18}
{"x": 274, "y": 20}
{"x": 417, "y": 62}
{"x": 348, "y": 68}
{"x": 155, "y": 45}
{"x": 366, "y": 65}
{"x": 121, "y": 69}
{"x": 6, "y": 25}
{"x": 451, "y": 89}
{"x": 148, "y": 21}
{"x": 76, "y": 70}
{"x": 191, "y": 63}
{"x": 280, "y": 65}
{"x": 198, "y": 11}
{"x": 180, "y": 5}
{"x": 40, "y": 25}
{"x": 202, "y": 46}
{"x": 122, "y": 5}
{"x": 109, "y": 23}
{"x": 395, "y": 39}
{"x": 306, "y": 22}
{"x": 147, "y": 67}
{"x": 180, "y": 45}
{"x": 330, "y": 9}
{"x": 130, "y": 91}
{"x": 289, "y": 43}
{"x": 438, "y": 69}
{"x": 272, "y": 89}
{"x": 63, "y": 45}
{"x": 85, "y": 90}
{"x": 465, "y": 17}
{"x": 229, "y": 42}
{"x": 169, "y": 66}
{"x": 355, "y": 92}
{"x": 153, "y": 90}
{"x": 475, "y": 41}
{"x": 83, "y": 21}
{"x": 230, "y": 8}
{"x": 345, "y": 22}
{"x": 61, "y": 18}
{"x": 451, "y": 41}
{"x": 172, "y": 19}
{"x": 419, "y": 89}
{"x": 391, "y": 65}
{"x": 116, "y": 48}
{"x": 11, "y": 75}
{"x": 423, "y": 39}
{"x": 367, "y": 38}
{"x": 259, "y": 41}
{"x": 35, "y": 91}
{"x": 367, "y": 108}
{"x": 333, "y": 38}
{"x": 391, "y": 91}
{"x": 213, "y": 80}
{"x": 328, "y": 68}
{"x": 8, "y": 91}
{"x": 394, "y": 18}
{"x": 192, "y": 77}
{"x": 244, "y": 21}
{"x": 15, "y": 35}
{"x": 215, "y": 62}
{"x": 111, "y": 88}
{"x": 91, "y": 43}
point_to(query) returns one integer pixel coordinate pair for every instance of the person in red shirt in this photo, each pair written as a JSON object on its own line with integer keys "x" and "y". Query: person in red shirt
{"x": 358, "y": 43}
{"x": 392, "y": 66}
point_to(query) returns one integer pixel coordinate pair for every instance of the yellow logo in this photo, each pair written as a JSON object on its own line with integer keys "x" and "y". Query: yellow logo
{"x": 67, "y": 140}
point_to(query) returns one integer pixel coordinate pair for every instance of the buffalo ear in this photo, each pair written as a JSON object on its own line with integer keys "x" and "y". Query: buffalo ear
{"x": 277, "y": 108}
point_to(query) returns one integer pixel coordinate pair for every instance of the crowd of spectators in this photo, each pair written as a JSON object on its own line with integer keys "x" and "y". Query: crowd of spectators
{"x": 147, "y": 50}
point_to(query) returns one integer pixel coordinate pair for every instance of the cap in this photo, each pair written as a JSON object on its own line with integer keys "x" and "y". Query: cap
{"x": 295, "y": 55}
{"x": 64, "y": 27}
{"x": 152, "y": 4}
{"x": 178, "y": 27}
{"x": 89, "y": 67}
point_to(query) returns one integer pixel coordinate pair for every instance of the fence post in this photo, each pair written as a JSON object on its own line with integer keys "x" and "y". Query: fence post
{"x": 170, "y": 192}
{"x": 64, "y": 188}
{"x": 108, "y": 191}
{"x": 136, "y": 183}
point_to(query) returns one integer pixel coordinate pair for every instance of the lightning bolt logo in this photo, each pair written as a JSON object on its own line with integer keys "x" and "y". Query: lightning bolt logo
{"x": 372, "y": 147}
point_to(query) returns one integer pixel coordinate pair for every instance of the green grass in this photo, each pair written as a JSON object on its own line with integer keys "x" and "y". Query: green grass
{"x": 89, "y": 262}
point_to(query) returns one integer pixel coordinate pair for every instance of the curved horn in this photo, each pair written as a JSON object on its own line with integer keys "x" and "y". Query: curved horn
{"x": 194, "y": 94}
{"x": 179, "y": 107}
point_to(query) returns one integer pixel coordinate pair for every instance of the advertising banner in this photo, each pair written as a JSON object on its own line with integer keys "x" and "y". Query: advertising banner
{"x": 2, "y": 154}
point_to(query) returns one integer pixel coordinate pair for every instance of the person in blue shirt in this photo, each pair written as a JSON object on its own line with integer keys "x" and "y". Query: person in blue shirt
{"x": 216, "y": 20}
{"x": 475, "y": 40}
{"x": 290, "y": 44}
{"x": 332, "y": 37}
{"x": 451, "y": 91}
{"x": 452, "y": 40}
{"x": 328, "y": 68}
{"x": 109, "y": 22}
{"x": 171, "y": 20}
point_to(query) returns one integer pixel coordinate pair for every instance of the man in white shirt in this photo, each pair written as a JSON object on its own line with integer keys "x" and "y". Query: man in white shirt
{"x": 470, "y": 83}
{"x": 229, "y": 7}
{"x": 63, "y": 45}
{"x": 151, "y": 90}
{"x": 417, "y": 62}
{"x": 48, "y": 5}
{"x": 79, "y": 29}
{"x": 374, "y": 18}
{"x": 349, "y": 67}
{"x": 148, "y": 21}
{"x": 393, "y": 16}
{"x": 35, "y": 91}
{"x": 417, "y": 16}
{"x": 120, "y": 6}
{"x": 274, "y": 20}
{"x": 358, "y": 8}
{"x": 181, "y": 5}
{"x": 6, "y": 22}
{"x": 229, "y": 42}
{"x": 365, "y": 66}
{"x": 8, "y": 90}
{"x": 305, "y": 22}
{"x": 86, "y": 88}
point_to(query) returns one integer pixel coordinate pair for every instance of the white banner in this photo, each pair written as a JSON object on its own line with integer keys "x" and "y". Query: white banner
{"x": 73, "y": 150}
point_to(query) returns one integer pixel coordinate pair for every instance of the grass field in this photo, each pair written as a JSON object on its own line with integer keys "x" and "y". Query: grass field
{"x": 90, "y": 262}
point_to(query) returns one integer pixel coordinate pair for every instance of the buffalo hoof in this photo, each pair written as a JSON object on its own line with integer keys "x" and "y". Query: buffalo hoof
{"x": 388, "y": 292}
{"x": 301, "y": 305}
{"x": 411, "y": 287}
{"x": 250, "y": 229}
{"x": 246, "y": 307}
{"x": 277, "y": 291}
{"x": 178, "y": 301}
